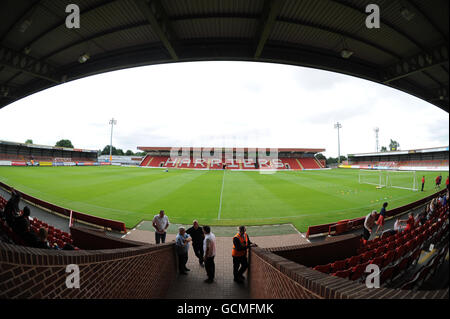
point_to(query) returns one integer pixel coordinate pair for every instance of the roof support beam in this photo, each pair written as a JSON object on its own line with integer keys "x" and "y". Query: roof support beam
{"x": 5, "y": 91}
{"x": 417, "y": 63}
{"x": 155, "y": 14}
{"x": 350, "y": 5}
{"x": 269, "y": 16}
{"x": 426, "y": 18}
{"x": 27, "y": 64}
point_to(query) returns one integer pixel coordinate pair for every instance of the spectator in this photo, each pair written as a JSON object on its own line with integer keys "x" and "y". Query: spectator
{"x": 398, "y": 226}
{"x": 369, "y": 222}
{"x": 410, "y": 222}
{"x": 42, "y": 239}
{"x": 241, "y": 243}
{"x": 422, "y": 218}
{"x": 21, "y": 223}
{"x": 380, "y": 221}
{"x": 160, "y": 223}
{"x": 12, "y": 208}
{"x": 197, "y": 235}
{"x": 182, "y": 244}
{"x": 209, "y": 247}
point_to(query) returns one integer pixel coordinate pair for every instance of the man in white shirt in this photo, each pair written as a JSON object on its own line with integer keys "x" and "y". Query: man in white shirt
{"x": 369, "y": 222}
{"x": 160, "y": 223}
{"x": 209, "y": 247}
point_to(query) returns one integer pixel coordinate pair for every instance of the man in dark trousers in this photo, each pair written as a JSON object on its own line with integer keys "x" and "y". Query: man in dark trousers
{"x": 197, "y": 235}
{"x": 423, "y": 182}
{"x": 209, "y": 246}
{"x": 241, "y": 243}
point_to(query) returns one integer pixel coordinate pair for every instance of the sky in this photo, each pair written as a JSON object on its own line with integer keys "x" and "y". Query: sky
{"x": 230, "y": 104}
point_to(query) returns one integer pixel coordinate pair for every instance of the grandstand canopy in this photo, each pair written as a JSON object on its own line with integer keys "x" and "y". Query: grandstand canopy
{"x": 408, "y": 52}
{"x": 399, "y": 152}
{"x": 46, "y": 147}
{"x": 244, "y": 149}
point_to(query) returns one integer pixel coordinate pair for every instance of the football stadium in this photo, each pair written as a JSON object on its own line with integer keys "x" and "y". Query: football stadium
{"x": 229, "y": 222}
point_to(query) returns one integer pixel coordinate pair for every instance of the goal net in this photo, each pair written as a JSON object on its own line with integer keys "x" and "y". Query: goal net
{"x": 372, "y": 177}
{"x": 402, "y": 179}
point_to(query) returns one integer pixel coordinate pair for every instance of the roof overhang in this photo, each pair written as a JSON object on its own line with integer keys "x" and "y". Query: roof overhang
{"x": 410, "y": 53}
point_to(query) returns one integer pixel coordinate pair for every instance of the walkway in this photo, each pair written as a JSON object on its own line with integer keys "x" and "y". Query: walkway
{"x": 192, "y": 285}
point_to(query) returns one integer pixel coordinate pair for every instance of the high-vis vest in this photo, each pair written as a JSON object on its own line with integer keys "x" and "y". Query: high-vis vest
{"x": 244, "y": 242}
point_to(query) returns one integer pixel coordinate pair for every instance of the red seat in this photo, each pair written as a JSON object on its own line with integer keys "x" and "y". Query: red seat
{"x": 323, "y": 268}
{"x": 339, "y": 265}
{"x": 353, "y": 261}
{"x": 343, "y": 273}
{"x": 358, "y": 271}
{"x": 378, "y": 261}
{"x": 379, "y": 251}
{"x": 387, "y": 274}
{"x": 390, "y": 246}
{"x": 388, "y": 257}
{"x": 399, "y": 252}
{"x": 367, "y": 256}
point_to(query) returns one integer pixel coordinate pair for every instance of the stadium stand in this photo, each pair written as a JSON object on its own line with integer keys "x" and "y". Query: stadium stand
{"x": 282, "y": 163}
{"x": 420, "y": 159}
{"x": 94, "y": 220}
{"x": 55, "y": 235}
{"x": 20, "y": 154}
{"x": 396, "y": 255}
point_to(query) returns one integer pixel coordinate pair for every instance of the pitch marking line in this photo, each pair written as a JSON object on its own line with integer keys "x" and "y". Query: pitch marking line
{"x": 221, "y": 194}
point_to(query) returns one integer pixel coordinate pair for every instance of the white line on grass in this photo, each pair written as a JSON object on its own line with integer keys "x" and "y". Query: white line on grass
{"x": 221, "y": 193}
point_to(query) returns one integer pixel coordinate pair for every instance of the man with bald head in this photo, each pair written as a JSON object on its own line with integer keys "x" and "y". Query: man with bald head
{"x": 197, "y": 235}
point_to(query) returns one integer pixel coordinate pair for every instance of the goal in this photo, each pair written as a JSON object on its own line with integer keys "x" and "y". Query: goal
{"x": 402, "y": 179}
{"x": 389, "y": 178}
{"x": 372, "y": 177}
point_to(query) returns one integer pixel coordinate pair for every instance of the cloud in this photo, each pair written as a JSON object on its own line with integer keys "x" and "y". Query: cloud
{"x": 225, "y": 104}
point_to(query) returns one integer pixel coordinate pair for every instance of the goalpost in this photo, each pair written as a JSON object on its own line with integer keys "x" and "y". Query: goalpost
{"x": 389, "y": 178}
{"x": 402, "y": 179}
{"x": 372, "y": 177}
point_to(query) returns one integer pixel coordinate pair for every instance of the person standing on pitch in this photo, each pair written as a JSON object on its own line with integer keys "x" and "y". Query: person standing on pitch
{"x": 196, "y": 233}
{"x": 209, "y": 247}
{"x": 241, "y": 243}
{"x": 160, "y": 223}
{"x": 423, "y": 182}
{"x": 182, "y": 244}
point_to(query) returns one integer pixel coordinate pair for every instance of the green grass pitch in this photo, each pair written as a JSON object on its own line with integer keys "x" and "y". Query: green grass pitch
{"x": 131, "y": 195}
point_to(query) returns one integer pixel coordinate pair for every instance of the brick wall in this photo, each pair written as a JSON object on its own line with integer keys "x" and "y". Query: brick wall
{"x": 274, "y": 277}
{"x": 137, "y": 272}
{"x": 321, "y": 253}
{"x": 93, "y": 239}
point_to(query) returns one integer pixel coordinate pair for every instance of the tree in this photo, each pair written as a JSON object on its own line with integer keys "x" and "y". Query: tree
{"x": 115, "y": 151}
{"x": 29, "y": 141}
{"x": 383, "y": 149}
{"x": 320, "y": 156}
{"x": 106, "y": 150}
{"x": 129, "y": 153}
{"x": 394, "y": 145}
{"x": 64, "y": 143}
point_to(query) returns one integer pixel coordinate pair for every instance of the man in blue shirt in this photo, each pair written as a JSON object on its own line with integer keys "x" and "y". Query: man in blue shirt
{"x": 182, "y": 244}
